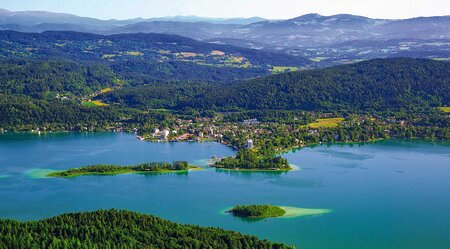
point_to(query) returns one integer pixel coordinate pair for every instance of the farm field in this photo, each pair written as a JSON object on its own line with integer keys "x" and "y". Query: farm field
{"x": 326, "y": 123}
{"x": 94, "y": 103}
{"x": 278, "y": 69}
{"x": 445, "y": 109}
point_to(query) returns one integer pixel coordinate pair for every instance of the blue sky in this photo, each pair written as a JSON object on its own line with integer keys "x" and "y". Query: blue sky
{"x": 274, "y": 9}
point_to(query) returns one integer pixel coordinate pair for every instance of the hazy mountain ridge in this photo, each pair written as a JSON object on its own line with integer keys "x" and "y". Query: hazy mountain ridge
{"x": 198, "y": 30}
{"x": 326, "y": 29}
{"x": 317, "y": 30}
{"x": 31, "y": 18}
{"x": 313, "y": 36}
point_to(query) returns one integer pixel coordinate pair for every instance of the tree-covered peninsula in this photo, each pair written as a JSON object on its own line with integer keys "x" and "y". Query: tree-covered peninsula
{"x": 258, "y": 211}
{"x": 120, "y": 229}
{"x": 103, "y": 169}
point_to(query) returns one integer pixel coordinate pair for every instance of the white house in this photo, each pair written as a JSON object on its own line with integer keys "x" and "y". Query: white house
{"x": 249, "y": 144}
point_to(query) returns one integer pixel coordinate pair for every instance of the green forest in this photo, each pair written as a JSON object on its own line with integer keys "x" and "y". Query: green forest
{"x": 250, "y": 160}
{"x": 114, "y": 169}
{"x": 119, "y": 229}
{"x": 145, "y": 58}
{"x": 376, "y": 85}
{"x": 197, "y": 91}
{"x": 51, "y": 93}
{"x": 258, "y": 211}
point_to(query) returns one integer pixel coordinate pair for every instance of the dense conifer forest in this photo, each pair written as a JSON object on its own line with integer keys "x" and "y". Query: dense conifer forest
{"x": 119, "y": 229}
{"x": 373, "y": 85}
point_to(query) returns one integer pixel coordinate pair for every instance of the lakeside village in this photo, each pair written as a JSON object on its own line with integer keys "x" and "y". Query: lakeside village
{"x": 270, "y": 138}
{"x": 272, "y": 135}
{"x": 201, "y": 130}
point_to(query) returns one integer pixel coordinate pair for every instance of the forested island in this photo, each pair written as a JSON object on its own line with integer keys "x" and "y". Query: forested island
{"x": 271, "y": 211}
{"x": 258, "y": 211}
{"x": 177, "y": 166}
{"x": 249, "y": 160}
{"x": 124, "y": 229}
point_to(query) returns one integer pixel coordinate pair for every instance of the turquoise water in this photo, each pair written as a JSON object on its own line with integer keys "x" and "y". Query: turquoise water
{"x": 393, "y": 194}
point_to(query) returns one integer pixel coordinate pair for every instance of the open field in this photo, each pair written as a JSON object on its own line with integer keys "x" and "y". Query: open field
{"x": 109, "y": 56}
{"x": 318, "y": 59}
{"x": 278, "y": 69}
{"x": 217, "y": 53}
{"x": 445, "y": 109}
{"x": 326, "y": 123}
{"x": 188, "y": 54}
{"x": 106, "y": 90}
{"x": 95, "y": 103}
{"x": 134, "y": 53}
{"x": 441, "y": 59}
{"x": 235, "y": 59}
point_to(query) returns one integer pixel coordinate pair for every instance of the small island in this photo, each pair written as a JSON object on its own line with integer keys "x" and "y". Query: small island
{"x": 249, "y": 160}
{"x": 102, "y": 169}
{"x": 258, "y": 211}
{"x": 269, "y": 211}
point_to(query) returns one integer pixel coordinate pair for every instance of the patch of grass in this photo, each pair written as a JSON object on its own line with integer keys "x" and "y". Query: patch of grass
{"x": 217, "y": 53}
{"x": 441, "y": 59}
{"x": 94, "y": 103}
{"x": 162, "y": 51}
{"x": 188, "y": 54}
{"x": 278, "y": 69}
{"x": 318, "y": 59}
{"x": 207, "y": 64}
{"x": 118, "y": 82}
{"x": 106, "y": 90}
{"x": 246, "y": 65}
{"x": 109, "y": 56}
{"x": 235, "y": 59}
{"x": 326, "y": 123}
{"x": 445, "y": 109}
{"x": 160, "y": 110}
{"x": 134, "y": 53}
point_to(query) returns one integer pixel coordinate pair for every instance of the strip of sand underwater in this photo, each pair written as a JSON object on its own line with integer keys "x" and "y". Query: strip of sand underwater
{"x": 48, "y": 173}
{"x": 39, "y": 173}
{"x": 294, "y": 212}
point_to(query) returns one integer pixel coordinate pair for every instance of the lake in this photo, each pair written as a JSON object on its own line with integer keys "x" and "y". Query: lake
{"x": 390, "y": 194}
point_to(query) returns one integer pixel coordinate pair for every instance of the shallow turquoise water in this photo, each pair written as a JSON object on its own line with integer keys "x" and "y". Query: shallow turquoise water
{"x": 392, "y": 194}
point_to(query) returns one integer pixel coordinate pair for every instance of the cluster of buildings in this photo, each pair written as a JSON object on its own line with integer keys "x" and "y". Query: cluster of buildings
{"x": 251, "y": 122}
{"x": 161, "y": 135}
{"x": 204, "y": 129}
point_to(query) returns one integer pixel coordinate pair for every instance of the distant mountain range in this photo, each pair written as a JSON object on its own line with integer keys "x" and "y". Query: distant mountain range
{"x": 34, "y": 18}
{"x": 307, "y": 30}
{"x": 314, "y": 36}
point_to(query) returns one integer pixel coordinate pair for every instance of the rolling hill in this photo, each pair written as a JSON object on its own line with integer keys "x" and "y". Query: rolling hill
{"x": 378, "y": 85}
{"x": 149, "y": 56}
